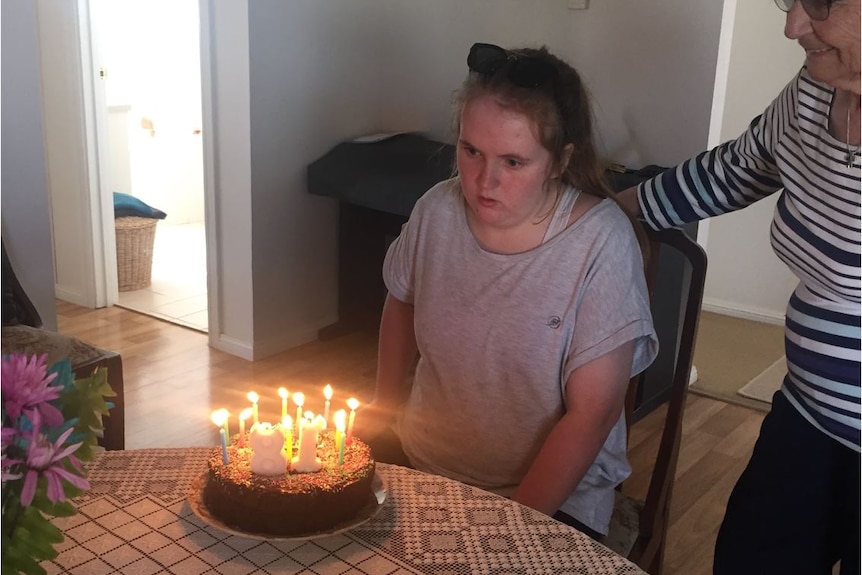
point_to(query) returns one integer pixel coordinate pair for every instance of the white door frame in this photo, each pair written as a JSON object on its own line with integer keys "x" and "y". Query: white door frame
{"x": 103, "y": 248}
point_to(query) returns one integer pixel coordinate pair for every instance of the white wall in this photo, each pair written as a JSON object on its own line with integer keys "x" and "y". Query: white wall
{"x": 26, "y": 224}
{"x": 745, "y": 278}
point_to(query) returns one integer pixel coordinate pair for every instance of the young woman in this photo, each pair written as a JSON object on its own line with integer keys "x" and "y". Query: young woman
{"x": 520, "y": 284}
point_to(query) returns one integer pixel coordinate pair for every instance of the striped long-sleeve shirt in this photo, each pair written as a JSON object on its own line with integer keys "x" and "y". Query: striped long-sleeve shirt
{"x": 815, "y": 231}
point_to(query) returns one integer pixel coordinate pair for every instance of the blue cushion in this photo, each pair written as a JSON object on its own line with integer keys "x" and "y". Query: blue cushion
{"x": 126, "y": 205}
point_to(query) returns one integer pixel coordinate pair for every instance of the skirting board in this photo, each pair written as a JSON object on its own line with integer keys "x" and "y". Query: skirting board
{"x": 722, "y": 308}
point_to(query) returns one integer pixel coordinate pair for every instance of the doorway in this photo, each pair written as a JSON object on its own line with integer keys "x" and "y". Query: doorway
{"x": 150, "y": 54}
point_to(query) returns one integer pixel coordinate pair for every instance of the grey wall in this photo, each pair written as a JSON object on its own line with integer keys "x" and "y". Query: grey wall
{"x": 25, "y": 215}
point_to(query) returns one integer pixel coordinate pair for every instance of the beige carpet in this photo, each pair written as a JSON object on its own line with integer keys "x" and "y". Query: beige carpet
{"x": 767, "y": 383}
{"x": 730, "y": 353}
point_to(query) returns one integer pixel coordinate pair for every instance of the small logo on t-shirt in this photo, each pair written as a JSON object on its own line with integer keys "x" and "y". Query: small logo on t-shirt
{"x": 554, "y": 322}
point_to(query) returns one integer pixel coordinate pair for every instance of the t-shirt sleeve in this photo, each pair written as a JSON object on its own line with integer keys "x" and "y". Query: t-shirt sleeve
{"x": 613, "y": 306}
{"x": 398, "y": 264}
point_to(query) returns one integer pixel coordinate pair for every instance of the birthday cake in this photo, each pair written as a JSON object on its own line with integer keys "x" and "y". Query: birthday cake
{"x": 289, "y": 504}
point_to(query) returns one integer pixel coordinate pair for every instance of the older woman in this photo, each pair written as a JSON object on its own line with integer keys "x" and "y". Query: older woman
{"x": 796, "y": 506}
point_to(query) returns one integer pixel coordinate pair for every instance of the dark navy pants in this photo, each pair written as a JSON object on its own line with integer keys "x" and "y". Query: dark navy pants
{"x": 796, "y": 507}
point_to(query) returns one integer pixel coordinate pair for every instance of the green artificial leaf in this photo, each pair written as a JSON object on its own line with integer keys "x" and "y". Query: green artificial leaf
{"x": 84, "y": 404}
{"x": 28, "y": 536}
{"x": 32, "y": 541}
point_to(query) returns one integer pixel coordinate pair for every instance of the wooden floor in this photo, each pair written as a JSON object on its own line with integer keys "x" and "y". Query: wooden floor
{"x": 173, "y": 380}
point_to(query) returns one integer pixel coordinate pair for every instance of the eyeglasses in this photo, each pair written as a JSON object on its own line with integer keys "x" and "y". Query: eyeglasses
{"x": 816, "y": 9}
{"x": 523, "y": 71}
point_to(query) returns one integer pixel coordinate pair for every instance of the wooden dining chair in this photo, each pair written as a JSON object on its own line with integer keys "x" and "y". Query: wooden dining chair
{"x": 639, "y": 527}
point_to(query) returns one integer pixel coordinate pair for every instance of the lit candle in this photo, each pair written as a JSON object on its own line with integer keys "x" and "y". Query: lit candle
{"x": 219, "y": 417}
{"x": 352, "y": 403}
{"x": 327, "y": 393}
{"x": 282, "y": 393}
{"x": 253, "y": 398}
{"x": 298, "y": 399}
{"x": 339, "y": 418}
{"x": 306, "y": 460}
{"x": 267, "y": 444}
{"x": 243, "y": 415}
{"x": 287, "y": 429}
{"x": 223, "y": 417}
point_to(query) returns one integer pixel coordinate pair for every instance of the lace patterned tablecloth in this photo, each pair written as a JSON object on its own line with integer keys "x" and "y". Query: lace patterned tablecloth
{"x": 136, "y": 519}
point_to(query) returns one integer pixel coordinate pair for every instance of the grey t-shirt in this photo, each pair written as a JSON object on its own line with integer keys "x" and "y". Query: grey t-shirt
{"x": 499, "y": 335}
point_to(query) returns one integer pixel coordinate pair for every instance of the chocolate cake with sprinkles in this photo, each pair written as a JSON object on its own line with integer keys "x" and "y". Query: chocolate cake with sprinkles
{"x": 290, "y": 504}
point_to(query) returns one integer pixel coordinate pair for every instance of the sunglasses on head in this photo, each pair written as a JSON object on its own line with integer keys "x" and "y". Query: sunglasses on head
{"x": 816, "y": 9}
{"x": 523, "y": 71}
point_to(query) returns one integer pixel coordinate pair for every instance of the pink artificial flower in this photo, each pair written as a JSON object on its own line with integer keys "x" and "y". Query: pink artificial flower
{"x": 7, "y": 436}
{"x": 26, "y": 387}
{"x": 46, "y": 458}
{"x": 6, "y": 465}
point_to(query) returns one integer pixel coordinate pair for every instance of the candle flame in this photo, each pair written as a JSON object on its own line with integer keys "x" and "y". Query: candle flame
{"x": 352, "y": 403}
{"x": 253, "y": 397}
{"x": 308, "y": 415}
{"x": 282, "y": 392}
{"x": 287, "y": 422}
{"x": 299, "y": 398}
{"x": 327, "y": 392}
{"x": 340, "y": 420}
{"x": 245, "y": 413}
{"x": 219, "y": 416}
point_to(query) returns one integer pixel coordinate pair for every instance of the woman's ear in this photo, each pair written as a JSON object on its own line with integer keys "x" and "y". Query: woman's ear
{"x": 568, "y": 149}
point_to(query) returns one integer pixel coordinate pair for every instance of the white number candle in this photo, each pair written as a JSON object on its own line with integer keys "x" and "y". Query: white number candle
{"x": 306, "y": 461}
{"x": 267, "y": 444}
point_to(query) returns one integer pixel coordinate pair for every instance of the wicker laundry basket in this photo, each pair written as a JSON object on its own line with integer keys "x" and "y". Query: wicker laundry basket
{"x": 135, "y": 238}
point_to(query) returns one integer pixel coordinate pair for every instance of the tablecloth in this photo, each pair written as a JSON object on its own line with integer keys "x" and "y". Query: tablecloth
{"x": 136, "y": 519}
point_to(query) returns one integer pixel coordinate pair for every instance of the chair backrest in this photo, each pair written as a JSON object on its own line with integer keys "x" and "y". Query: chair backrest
{"x": 648, "y": 549}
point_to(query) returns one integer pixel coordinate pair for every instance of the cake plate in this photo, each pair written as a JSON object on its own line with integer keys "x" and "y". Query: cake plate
{"x": 376, "y": 499}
